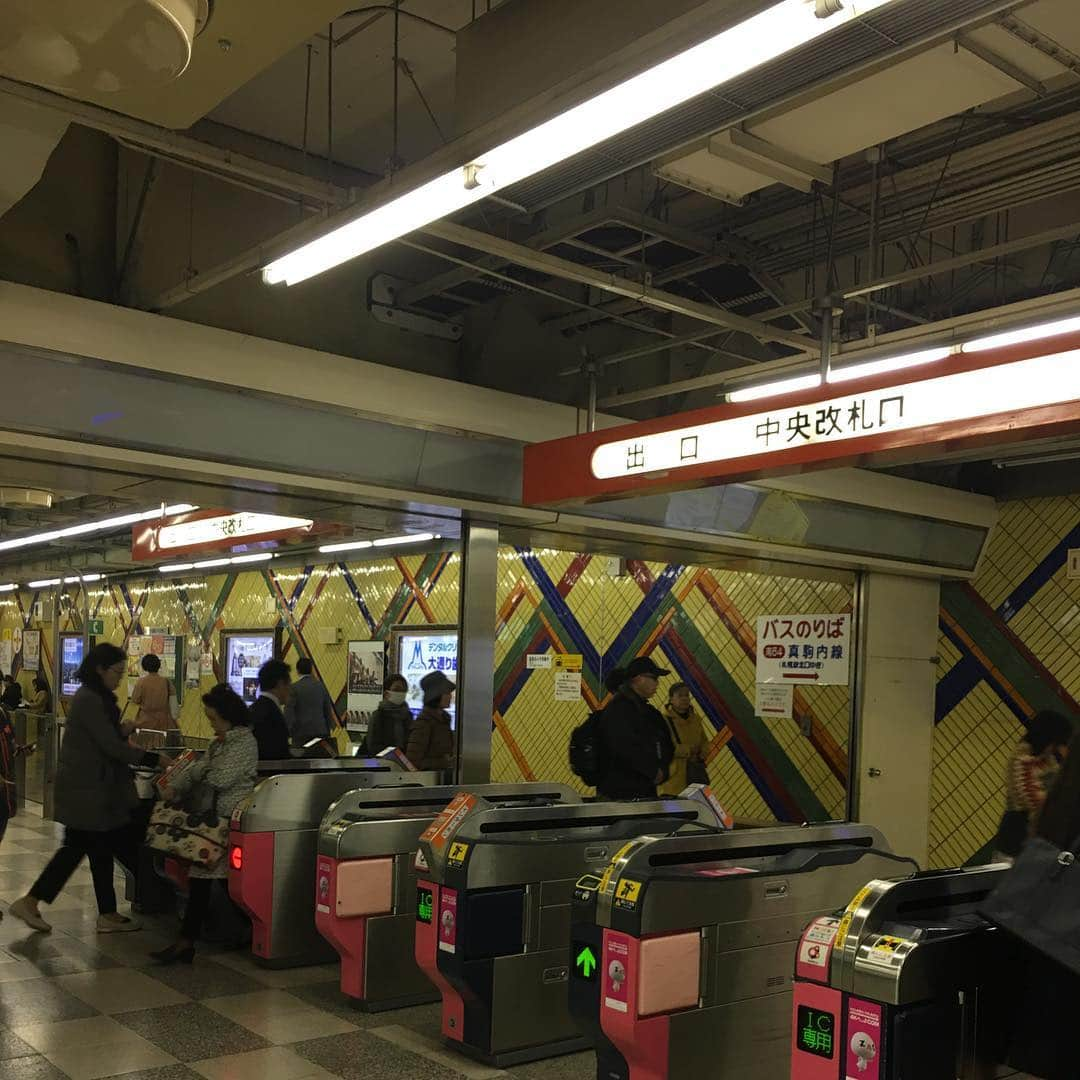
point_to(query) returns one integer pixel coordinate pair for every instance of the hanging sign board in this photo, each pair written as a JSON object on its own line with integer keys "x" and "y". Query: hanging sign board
{"x": 213, "y": 530}
{"x": 1011, "y": 393}
{"x": 812, "y": 649}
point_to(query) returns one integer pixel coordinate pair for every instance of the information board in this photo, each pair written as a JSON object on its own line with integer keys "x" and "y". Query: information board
{"x": 804, "y": 648}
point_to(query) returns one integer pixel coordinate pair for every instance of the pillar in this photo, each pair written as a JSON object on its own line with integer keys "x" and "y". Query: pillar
{"x": 476, "y": 651}
{"x": 898, "y": 637}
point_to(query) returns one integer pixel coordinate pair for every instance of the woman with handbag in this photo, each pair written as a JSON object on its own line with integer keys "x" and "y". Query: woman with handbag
{"x": 215, "y": 785}
{"x": 95, "y": 794}
{"x": 1032, "y": 767}
{"x": 688, "y": 764}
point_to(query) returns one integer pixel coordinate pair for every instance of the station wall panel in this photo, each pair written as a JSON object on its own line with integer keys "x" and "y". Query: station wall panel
{"x": 1010, "y": 646}
{"x": 696, "y": 621}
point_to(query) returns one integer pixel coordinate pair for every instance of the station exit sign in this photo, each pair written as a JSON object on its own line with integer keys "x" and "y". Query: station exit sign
{"x": 1074, "y": 563}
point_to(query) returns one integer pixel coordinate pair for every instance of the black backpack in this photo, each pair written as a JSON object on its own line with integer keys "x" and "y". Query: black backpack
{"x": 585, "y": 749}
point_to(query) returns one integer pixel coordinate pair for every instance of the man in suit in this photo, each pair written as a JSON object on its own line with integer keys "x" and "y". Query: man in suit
{"x": 268, "y": 711}
{"x": 310, "y": 712}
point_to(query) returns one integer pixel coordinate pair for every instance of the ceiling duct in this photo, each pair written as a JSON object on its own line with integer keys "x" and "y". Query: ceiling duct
{"x": 102, "y": 47}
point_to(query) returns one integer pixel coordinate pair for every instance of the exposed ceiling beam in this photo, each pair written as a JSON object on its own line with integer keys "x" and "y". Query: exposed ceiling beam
{"x": 642, "y": 293}
{"x": 1006, "y": 67}
{"x": 179, "y": 147}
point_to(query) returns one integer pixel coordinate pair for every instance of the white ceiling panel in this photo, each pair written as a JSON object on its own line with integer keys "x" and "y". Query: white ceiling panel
{"x": 932, "y": 86}
{"x": 1057, "y": 19}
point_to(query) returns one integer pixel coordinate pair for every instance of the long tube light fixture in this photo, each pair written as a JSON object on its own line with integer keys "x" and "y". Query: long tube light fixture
{"x": 724, "y": 56}
{"x": 11, "y": 587}
{"x": 383, "y": 541}
{"x": 907, "y": 360}
{"x": 210, "y": 564}
{"x": 93, "y": 527}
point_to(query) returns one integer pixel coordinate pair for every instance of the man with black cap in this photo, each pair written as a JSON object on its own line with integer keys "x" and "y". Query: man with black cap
{"x": 431, "y": 740}
{"x": 636, "y": 747}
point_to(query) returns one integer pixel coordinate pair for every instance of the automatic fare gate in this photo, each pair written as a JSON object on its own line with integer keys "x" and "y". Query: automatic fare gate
{"x": 682, "y": 949}
{"x": 365, "y": 882}
{"x": 493, "y": 917}
{"x": 273, "y": 842}
{"x": 904, "y": 985}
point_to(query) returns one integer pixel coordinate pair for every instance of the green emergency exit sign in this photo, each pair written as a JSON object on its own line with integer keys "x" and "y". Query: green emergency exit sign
{"x": 95, "y": 627}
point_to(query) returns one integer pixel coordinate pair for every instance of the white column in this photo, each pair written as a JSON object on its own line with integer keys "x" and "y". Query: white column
{"x": 898, "y": 631}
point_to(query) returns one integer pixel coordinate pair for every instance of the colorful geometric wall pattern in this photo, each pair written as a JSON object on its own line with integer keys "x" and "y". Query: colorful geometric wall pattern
{"x": 1010, "y": 646}
{"x": 696, "y": 622}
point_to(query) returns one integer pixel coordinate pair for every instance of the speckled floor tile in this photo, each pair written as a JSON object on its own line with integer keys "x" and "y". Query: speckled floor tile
{"x": 204, "y": 979}
{"x": 277, "y": 1063}
{"x": 165, "y": 1072}
{"x": 39, "y": 1001}
{"x": 192, "y": 1032}
{"x": 11, "y": 1046}
{"x": 363, "y": 1056}
{"x": 279, "y": 1017}
{"x": 32, "y": 1068}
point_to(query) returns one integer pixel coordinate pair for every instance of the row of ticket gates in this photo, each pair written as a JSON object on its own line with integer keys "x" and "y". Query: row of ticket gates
{"x": 653, "y": 932}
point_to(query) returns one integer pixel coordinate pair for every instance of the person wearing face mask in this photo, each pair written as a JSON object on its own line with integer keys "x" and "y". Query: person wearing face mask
{"x": 392, "y": 720}
{"x": 636, "y": 745}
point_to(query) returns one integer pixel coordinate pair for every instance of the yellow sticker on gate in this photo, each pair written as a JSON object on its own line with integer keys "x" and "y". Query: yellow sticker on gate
{"x": 605, "y": 879}
{"x": 627, "y": 893}
{"x": 849, "y": 914}
{"x": 457, "y": 854}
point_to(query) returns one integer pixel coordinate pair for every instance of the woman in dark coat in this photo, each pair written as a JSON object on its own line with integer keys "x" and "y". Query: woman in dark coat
{"x": 1043, "y": 997}
{"x": 95, "y": 794}
{"x": 635, "y": 744}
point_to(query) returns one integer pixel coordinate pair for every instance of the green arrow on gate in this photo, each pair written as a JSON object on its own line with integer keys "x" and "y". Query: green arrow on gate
{"x": 586, "y": 960}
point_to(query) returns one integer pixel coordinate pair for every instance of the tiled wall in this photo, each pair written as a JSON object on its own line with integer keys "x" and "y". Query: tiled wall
{"x": 1010, "y": 646}
{"x": 363, "y": 600}
{"x": 696, "y": 621}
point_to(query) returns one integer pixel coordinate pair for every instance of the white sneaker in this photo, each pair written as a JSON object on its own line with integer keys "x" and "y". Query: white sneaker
{"x": 116, "y": 924}
{"x": 23, "y": 909}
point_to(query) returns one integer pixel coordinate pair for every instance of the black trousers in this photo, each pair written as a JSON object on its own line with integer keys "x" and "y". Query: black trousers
{"x": 200, "y": 894}
{"x": 101, "y": 848}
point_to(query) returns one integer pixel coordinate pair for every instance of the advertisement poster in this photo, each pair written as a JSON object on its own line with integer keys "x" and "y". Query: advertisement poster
{"x": 5, "y": 656}
{"x": 31, "y": 649}
{"x": 71, "y": 658}
{"x": 420, "y": 652}
{"x": 206, "y": 663}
{"x": 814, "y": 649}
{"x": 568, "y": 677}
{"x": 863, "y": 1036}
{"x": 367, "y": 666}
{"x": 244, "y": 655}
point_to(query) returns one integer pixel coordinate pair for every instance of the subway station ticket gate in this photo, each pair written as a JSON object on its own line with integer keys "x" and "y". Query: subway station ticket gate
{"x": 273, "y": 843}
{"x": 493, "y": 914}
{"x": 904, "y": 984}
{"x": 365, "y": 882}
{"x": 682, "y": 952}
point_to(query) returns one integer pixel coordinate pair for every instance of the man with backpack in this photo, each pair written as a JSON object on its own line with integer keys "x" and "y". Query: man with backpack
{"x": 625, "y": 749}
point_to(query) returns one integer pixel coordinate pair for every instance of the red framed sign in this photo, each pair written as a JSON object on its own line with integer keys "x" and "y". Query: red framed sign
{"x": 985, "y": 398}
{"x": 212, "y": 530}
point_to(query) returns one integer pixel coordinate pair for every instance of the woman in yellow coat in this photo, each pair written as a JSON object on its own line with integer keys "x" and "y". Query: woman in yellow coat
{"x": 686, "y": 733}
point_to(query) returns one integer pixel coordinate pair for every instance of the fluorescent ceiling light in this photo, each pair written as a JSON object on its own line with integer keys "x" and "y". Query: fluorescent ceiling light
{"x": 47, "y": 584}
{"x": 771, "y": 33}
{"x": 8, "y": 588}
{"x": 207, "y": 564}
{"x": 1019, "y": 337}
{"x": 774, "y": 389}
{"x": 85, "y": 577}
{"x": 354, "y": 545}
{"x": 93, "y": 526}
{"x": 889, "y": 363}
{"x": 415, "y": 538}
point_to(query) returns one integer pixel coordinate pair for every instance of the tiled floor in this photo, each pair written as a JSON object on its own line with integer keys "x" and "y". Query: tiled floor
{"x": 80, "y": 1005}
